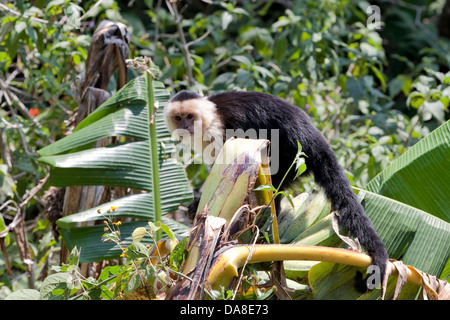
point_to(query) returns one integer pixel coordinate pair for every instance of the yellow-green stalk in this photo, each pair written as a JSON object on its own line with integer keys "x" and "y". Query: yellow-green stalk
{"x": 153, "y": 151}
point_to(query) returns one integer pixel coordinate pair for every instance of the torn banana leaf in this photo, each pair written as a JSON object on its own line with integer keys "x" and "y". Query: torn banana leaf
{"x": 126, "y": 163}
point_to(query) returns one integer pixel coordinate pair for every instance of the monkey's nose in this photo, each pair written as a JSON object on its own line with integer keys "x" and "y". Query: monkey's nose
{"x": 184, "y": 124}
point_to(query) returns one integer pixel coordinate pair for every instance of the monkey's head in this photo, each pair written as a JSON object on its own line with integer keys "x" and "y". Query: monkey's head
{"x": 186, "y": 108}
{"x": 190, "y": 113}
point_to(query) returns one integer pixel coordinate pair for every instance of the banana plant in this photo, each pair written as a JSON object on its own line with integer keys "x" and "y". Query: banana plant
{"x": 420, "y": 177}
{"x": 127, "y": 163}
{"x": 417, "y": 238}
{"x": 411, "y": 235}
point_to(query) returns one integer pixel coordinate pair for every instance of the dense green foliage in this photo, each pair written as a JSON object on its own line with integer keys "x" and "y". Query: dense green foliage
{"x": 374, "y": 93}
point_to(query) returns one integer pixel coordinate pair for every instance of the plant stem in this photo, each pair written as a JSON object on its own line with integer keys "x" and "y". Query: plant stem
{"x": 228, "y": 262}
{"x": 153, "y": 153}
{"x": 187, "y": 55}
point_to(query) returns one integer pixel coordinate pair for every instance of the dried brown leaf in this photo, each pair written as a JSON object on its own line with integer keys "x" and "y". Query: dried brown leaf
{"x": 402, "y": 270}
{"x": 354, "y": 244}
{"x": 433, "y": 288}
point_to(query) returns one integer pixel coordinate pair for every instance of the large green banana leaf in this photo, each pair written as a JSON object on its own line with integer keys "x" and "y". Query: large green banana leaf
{"x": 421, "y": 176}
{"x": 74, "y": 162}
{"x": 417, "y": 237}
{"x": 411, "y": 235}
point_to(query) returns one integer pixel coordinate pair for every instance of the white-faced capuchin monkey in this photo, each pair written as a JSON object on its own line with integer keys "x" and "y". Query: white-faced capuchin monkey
{"x": 251, "y": 110}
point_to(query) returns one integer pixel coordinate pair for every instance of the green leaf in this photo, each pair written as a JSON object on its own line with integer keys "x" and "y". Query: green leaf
{"x": 24, "y": 294}
{"x": 74, "y": 257}
{"x": 331, "y": 281}
{"x": 133, "y": 282}
{"x": 111, "y": 237}
{"x": 57, "y": 286}
{"x": 54, "y": 3}
{"x": 138, "y": 234}
{"x": 124, "y": 114}
{"x": 420, "y": 177}
{"x": 7, "y": 185}
{"x": 126, "y": 164}
{"x": 88, "y": 238}
{"x": 354, "y": 88}
{"x": 3, "y": 227}
{"x": 138, "y": 250}
{"x": 415, "y": 99}
{"x": 298, "y": 225}
{"x": 168, "y": 231}
{"x": 415, "y": 236}
{"x": 380, "y": 77}
{"x": 265, "y": 187}
{"x": 242, "y": 59}
{"x": 178, "y": 253}
{"x": 154, "y": 227}
{"x": 133, "y": 206}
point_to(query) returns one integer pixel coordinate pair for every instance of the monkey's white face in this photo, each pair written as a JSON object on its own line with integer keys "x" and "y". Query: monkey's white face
{"x": 183, "y": 114}
{"x": 199, "y": 118}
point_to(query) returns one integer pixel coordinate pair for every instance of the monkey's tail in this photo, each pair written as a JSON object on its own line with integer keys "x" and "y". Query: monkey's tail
{"x": 331, "y": 177}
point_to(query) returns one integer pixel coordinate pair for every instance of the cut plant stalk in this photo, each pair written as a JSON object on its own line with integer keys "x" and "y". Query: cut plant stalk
{"x": 226, "y": 266}
{"x": 266, "y": 197}
{"x": 228, "y": 188}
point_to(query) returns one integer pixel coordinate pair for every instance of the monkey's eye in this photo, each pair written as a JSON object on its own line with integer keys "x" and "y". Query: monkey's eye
{"x": 190, "y": 116}
{"x": 178, "y": 118}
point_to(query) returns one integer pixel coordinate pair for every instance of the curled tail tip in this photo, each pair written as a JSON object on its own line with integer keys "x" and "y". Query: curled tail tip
{"x": 378, "y": 272}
